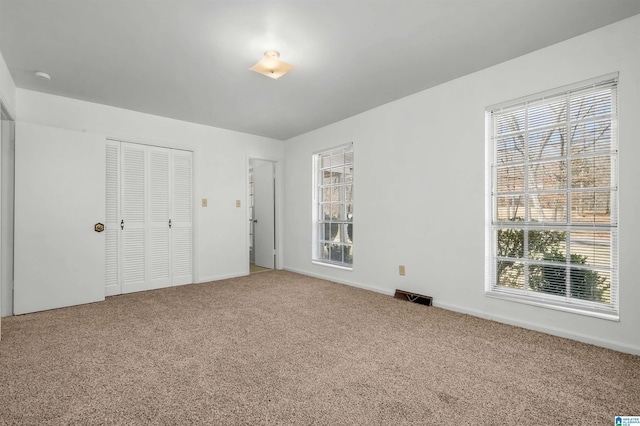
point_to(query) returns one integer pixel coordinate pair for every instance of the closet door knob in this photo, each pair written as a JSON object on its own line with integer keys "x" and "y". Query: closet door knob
{"x": 122, "y": 224}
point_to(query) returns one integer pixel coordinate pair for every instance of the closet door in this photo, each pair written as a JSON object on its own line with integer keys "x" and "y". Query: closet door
{"x": 181, "y": 214}
{"x": 148, "y": 218}
{"x": 158, "y": 218}
{"x": 133, "y": 194}
{"x": 112, "y": 221}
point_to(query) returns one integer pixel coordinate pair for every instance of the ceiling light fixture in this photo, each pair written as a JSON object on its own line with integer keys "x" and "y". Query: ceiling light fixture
{"x": 271, "y": 65}
{"x": 43, "y": 75}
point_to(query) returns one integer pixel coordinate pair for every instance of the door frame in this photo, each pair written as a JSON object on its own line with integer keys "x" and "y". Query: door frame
{"x": 277, "y": 203}
{"x": 7, "y": 170}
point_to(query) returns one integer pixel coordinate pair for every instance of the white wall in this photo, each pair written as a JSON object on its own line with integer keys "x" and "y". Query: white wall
{"x": 419, "y": 186}
{"x": 220, "y": 169}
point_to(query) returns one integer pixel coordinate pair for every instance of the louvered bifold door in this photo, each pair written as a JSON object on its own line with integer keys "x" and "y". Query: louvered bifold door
{"x": 133, "y": 211}
{"x": 158, "y": 218}
{"x": 112, "y": 220}
{"x": 181, "y": 217}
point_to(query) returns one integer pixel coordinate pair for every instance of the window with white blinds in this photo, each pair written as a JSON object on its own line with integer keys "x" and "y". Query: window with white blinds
{"x": 552, "y": 185}
{"x": 333, "y": 213}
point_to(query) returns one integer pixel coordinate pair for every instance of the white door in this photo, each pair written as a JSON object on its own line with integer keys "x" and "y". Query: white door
{"x": 181, "y": 217}
{"x": 264, "y": 213}
{"x": 59, "y": 197}
{"x": 149, "y": 225}
{"x": 112, "y": 231}
{"x": 159, "y": 216}
{"x": 133, "y": 193}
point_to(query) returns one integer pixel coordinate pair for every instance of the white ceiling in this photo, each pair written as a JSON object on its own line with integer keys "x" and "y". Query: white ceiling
{"x": 189, "y": 59}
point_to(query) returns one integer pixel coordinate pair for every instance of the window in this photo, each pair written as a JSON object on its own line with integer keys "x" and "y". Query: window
{"x": 333, "y": 206}
{"x": 552, "y": 222}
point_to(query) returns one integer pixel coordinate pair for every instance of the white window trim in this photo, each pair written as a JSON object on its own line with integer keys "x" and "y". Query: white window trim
{"x": 332, "y": 265}
{"x": 522, "y": 296}
{"x": 316, "y": 258}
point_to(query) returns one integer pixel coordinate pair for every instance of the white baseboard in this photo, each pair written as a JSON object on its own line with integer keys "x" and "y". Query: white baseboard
{"x": 630, "y": 349}
{"x": 548, "y": 330}
{"x": 339, "y": 281}
{"x": 221, "y": 277}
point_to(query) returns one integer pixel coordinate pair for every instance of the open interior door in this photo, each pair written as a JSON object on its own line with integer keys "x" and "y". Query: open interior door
{"x": 264, "y": 213}
{"x": 59, "y": 198}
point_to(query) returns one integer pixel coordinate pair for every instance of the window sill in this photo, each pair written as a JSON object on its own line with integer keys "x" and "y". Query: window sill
{"x": 549, "y": 304}
{"x": 332, "y": 265}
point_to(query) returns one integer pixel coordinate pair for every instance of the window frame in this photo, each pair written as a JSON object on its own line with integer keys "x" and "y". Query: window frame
{"x": 319, "y": 223}
{"x": 568, "y": 302}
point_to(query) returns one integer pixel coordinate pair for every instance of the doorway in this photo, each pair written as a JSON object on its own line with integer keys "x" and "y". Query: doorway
{"x": 262, "y": 215}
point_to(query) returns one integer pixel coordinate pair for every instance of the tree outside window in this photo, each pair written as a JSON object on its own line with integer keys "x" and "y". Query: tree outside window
{"x": 553, "y": 197}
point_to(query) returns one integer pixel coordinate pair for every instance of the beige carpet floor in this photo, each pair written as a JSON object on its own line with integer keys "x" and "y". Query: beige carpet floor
{"x": 284, "y": 349}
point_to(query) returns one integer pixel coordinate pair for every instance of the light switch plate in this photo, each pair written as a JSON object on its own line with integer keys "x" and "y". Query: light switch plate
{"x": 204, "y": 202}
{"x": 237, "y": 203}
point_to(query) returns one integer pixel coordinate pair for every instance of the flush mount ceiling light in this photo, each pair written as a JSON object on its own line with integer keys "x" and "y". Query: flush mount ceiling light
{"x": 271, "y": 65}
{"x": 42, "y": 75}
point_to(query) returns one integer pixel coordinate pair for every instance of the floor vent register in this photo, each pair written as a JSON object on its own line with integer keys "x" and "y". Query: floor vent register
{"x": 413, "y": 297}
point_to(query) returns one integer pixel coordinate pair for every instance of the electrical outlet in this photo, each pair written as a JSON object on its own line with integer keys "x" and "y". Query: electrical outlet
{"x": 401, "y": 269}
{"x": 237, "y": 203}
